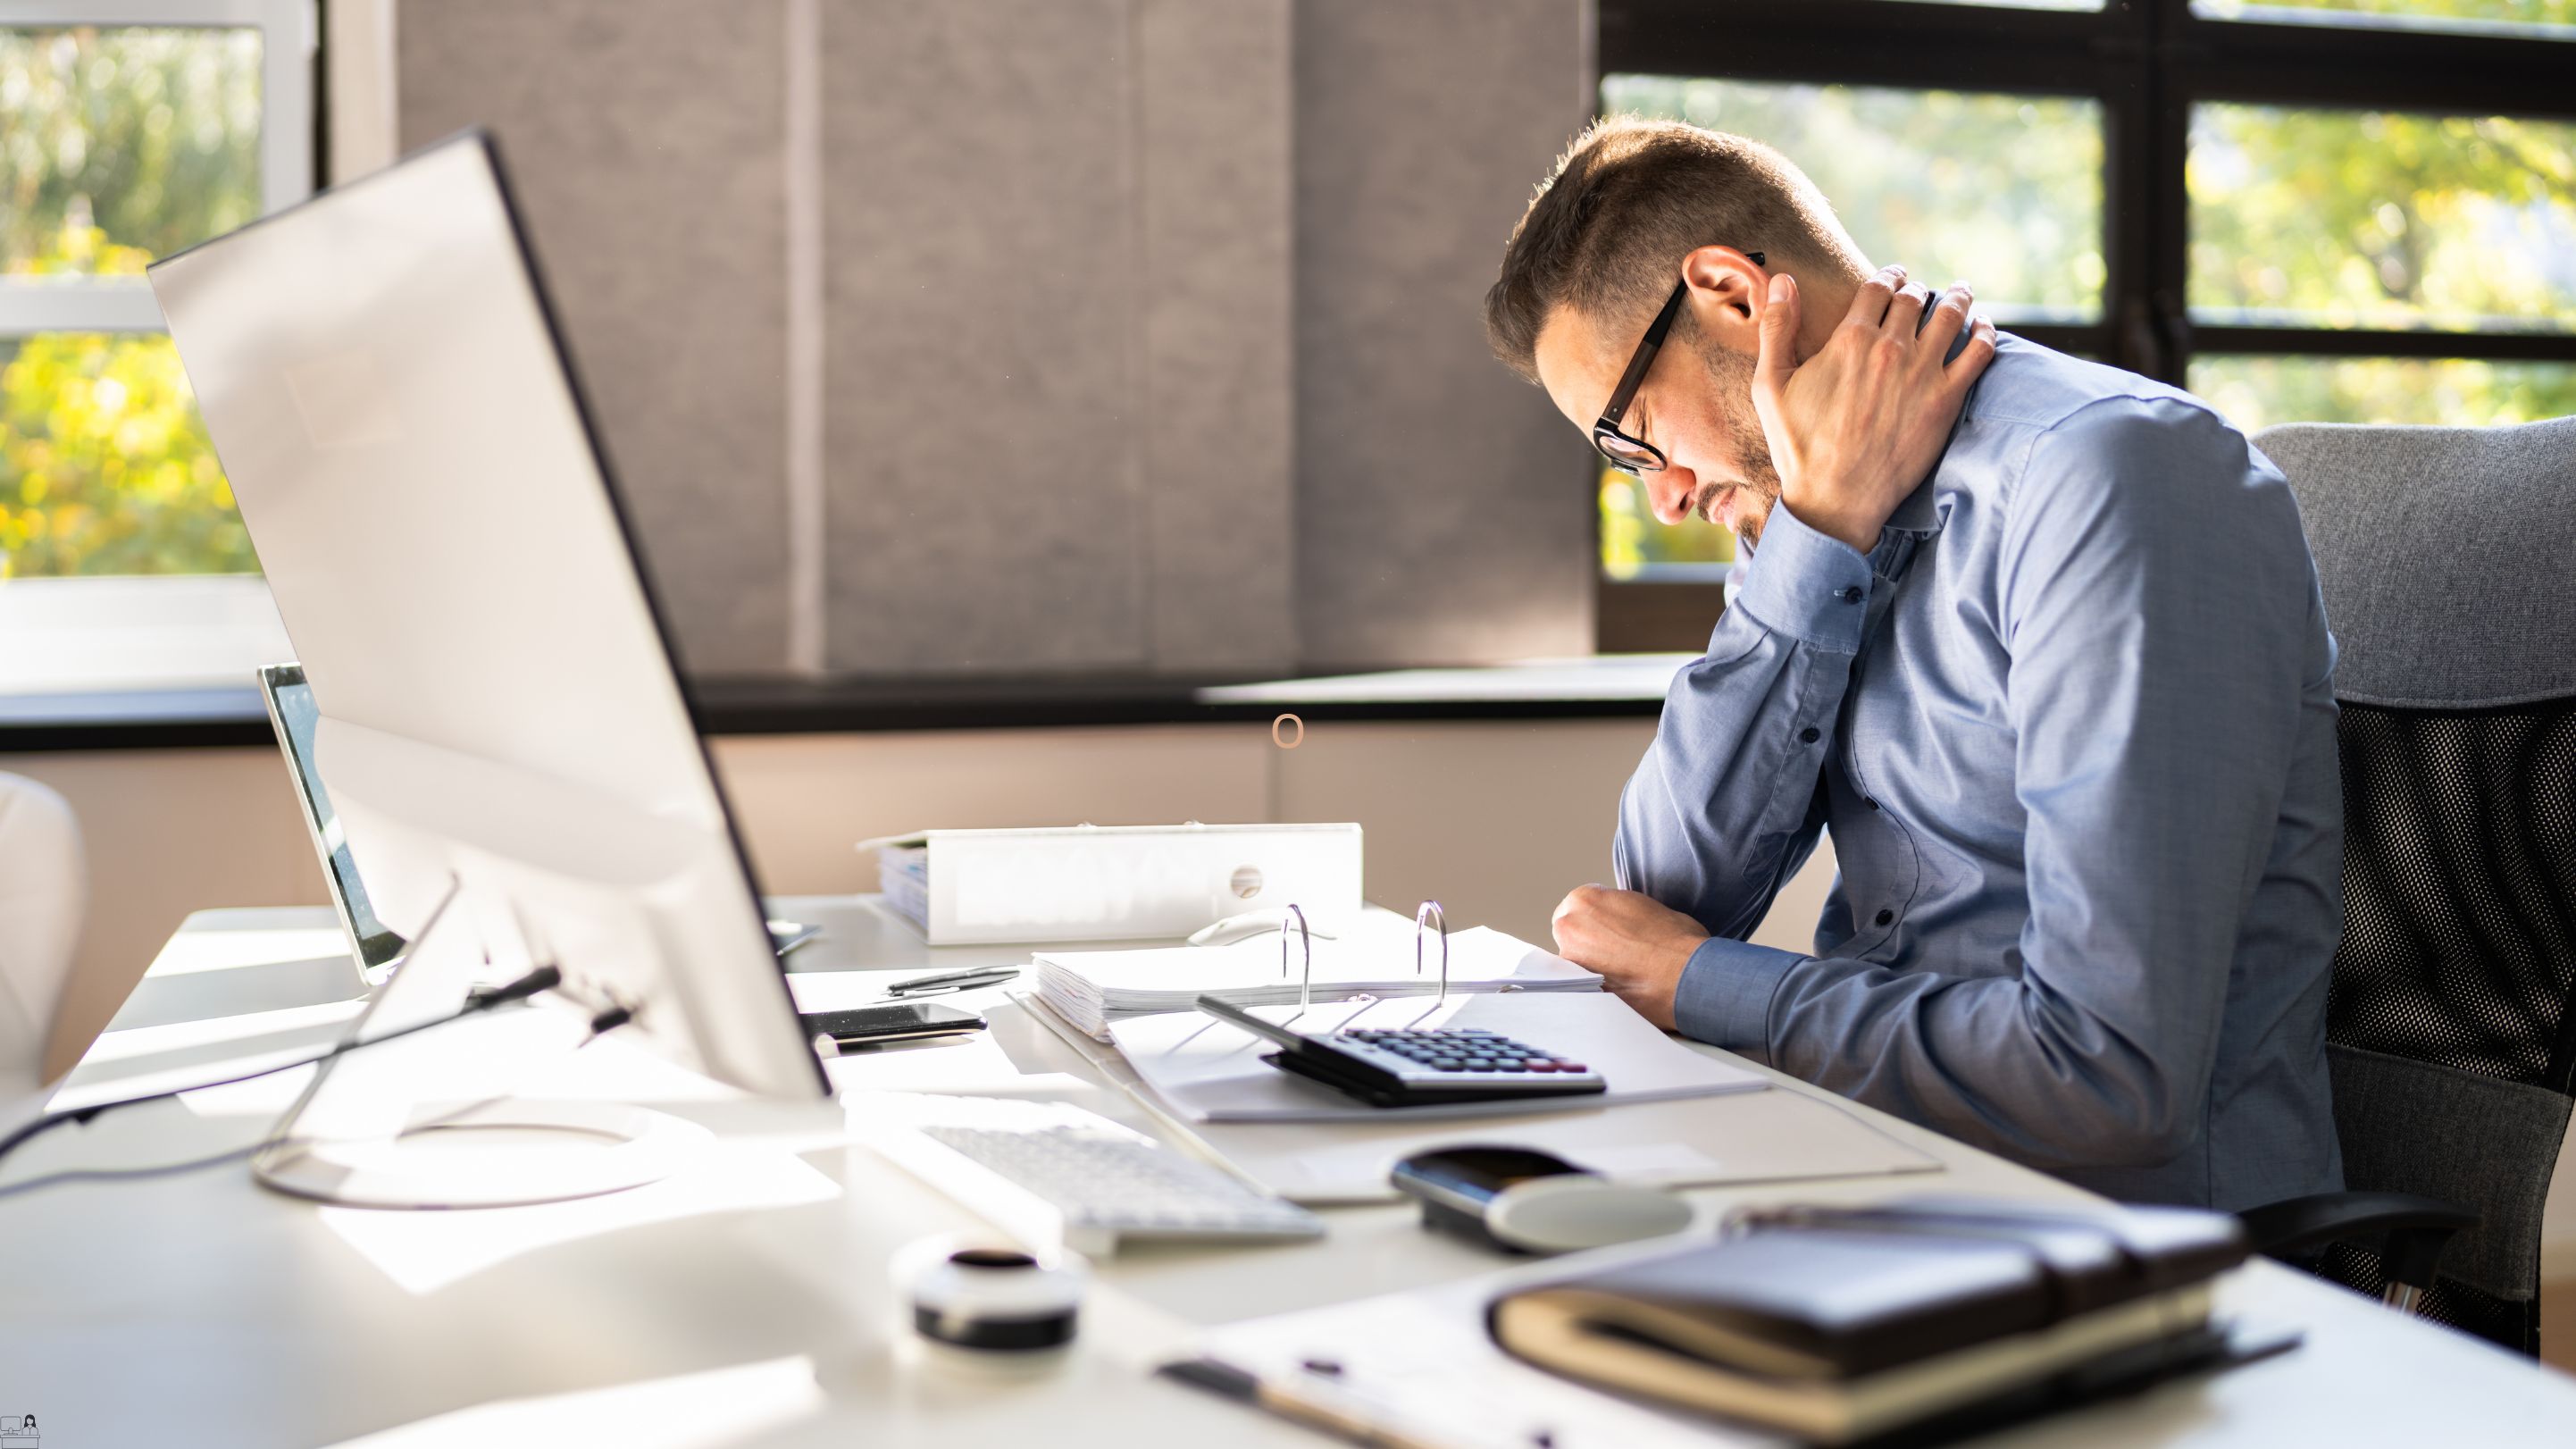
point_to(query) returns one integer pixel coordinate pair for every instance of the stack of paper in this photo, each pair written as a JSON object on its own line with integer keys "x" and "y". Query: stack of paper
{"x": 1091, "y": 989}
{"x": 903, "y": 873}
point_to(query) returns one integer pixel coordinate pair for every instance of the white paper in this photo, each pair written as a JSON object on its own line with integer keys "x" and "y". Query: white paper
{"x": 1209, "y": 1071}
{"x": 1420, "y": 1364}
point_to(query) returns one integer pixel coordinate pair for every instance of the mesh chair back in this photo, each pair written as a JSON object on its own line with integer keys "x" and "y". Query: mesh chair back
{"x": 2448, "y": 561}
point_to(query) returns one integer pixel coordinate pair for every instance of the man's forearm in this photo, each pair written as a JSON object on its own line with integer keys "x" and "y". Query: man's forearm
{"x": 1721, "y": 809}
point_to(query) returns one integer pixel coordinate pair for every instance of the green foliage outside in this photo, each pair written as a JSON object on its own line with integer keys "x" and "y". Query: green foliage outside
{"x": 104, "y": 465}
{"x": 120, "y": 146}
{"x": 2512, "y": 12}
{"x": 2370, "y": 219}
{"x": 2003, "y": 190}
{"x": 2256, "y": 392}
{"x": 150, "y": 136}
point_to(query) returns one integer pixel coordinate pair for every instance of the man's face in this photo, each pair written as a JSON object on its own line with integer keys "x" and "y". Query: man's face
{"x": 1696, "y": 406}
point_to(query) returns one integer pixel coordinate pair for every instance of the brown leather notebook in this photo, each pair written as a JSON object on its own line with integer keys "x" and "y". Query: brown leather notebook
{"x": 1838, "y": 1324}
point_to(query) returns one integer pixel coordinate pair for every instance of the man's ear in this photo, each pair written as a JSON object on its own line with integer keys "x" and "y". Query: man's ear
{"x": 1728, "y": 293}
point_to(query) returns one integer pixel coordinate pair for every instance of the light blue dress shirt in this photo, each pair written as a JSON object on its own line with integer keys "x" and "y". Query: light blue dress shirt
{"x": 2071, "y": 724}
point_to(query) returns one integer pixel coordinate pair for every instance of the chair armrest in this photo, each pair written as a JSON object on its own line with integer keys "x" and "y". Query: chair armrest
{"x": 2417, "y": 1228}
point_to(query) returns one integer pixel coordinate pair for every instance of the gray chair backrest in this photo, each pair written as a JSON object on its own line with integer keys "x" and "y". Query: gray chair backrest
{"x": 2448, "y": 562}
{"x": 2448, "y": 557}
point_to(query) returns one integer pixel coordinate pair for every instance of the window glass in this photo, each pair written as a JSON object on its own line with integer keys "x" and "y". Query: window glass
{"x": 2002, "y": 190}
{"x": 2323, "y": 218}
{"x": 2256, "y": 392}
{"x": 119, "y": 146}
{"x": 2539, "y": 18}
{"x": 1635, "y": 546}
{"x": 104, "y": 464}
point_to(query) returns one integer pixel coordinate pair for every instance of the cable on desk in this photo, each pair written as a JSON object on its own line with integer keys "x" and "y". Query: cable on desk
{"x": 275, "y": 1136}
{"x": 120, "y": 1174}
{"x": 544, "y": 978}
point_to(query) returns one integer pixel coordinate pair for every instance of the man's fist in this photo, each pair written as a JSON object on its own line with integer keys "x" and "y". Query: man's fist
{"x": 1637, "y": 943}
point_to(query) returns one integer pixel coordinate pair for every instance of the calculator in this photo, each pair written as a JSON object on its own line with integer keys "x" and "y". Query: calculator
{"x": 1416, "y": 1066}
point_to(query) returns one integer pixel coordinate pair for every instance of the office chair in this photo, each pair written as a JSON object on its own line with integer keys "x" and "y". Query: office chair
{"x": 42, "y": 893}
{"x": 2448, "y": 558}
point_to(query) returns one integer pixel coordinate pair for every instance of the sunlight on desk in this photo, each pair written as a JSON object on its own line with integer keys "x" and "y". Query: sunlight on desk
{"x": 227, "y": 950}
{"x": 425, "y": 1252}
{"x": 690, "y": 1411}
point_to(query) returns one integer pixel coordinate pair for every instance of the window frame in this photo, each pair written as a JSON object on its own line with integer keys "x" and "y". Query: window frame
{"x": 2148, "y": 62}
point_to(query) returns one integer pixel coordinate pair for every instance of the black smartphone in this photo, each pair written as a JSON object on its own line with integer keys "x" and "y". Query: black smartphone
{"x": 902, "y": 1021}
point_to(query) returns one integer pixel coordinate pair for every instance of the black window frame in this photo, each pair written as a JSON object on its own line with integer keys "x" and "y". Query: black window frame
{"x": 2147, "y": 62}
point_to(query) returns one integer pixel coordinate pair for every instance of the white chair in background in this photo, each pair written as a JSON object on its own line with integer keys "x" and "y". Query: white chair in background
{"x": 43, "y": 888}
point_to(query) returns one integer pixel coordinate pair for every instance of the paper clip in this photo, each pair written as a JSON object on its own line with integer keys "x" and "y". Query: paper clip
{"x": 1430, "y": 911}
{"x": 1306, "y": 985}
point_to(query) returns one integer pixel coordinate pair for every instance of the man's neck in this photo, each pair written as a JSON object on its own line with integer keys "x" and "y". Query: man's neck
{"x": 1823, "y": 303}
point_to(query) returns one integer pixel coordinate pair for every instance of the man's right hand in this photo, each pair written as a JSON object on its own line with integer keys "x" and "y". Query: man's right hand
{"x": 1855, "y": 428}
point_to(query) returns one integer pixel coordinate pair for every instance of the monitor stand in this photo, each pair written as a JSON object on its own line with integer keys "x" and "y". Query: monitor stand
{"x": 403, "y": 1126}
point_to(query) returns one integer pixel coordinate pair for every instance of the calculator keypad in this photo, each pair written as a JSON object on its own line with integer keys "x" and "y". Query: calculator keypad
{"x": 1460, "y": 1056}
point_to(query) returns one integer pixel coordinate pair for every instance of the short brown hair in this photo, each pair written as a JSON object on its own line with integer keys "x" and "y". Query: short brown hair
{"x": 1627, "y": 201}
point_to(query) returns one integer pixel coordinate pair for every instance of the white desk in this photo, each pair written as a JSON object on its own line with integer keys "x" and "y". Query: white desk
{"x": 744, "y": 1303}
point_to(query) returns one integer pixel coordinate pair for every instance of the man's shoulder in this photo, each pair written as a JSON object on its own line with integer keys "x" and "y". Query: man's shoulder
{"x": 2038, "y": 388}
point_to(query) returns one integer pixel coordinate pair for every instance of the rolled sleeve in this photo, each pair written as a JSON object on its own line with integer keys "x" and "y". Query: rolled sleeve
{"x": 1812, "y": 588}
{"x": 1724, "y": 996}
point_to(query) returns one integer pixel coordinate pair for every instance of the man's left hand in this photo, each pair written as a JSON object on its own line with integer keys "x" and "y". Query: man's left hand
{"x": 1637, "y": 943}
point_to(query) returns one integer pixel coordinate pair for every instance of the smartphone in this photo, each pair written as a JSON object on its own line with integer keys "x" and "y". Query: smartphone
{"x": 903, "y": 1021}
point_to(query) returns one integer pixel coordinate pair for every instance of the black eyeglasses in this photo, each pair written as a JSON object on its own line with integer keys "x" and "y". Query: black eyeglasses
{"x": 1635, "y": 456}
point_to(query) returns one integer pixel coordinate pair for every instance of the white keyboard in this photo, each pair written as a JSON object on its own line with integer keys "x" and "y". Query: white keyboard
{"x": 1049, "y": 1172}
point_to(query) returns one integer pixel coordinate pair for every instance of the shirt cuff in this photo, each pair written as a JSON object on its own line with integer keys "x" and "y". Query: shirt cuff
{"x": 1724, "y": 996}
{"x": 1805, "y": 585}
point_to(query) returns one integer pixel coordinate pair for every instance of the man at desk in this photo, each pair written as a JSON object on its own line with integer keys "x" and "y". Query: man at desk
{"x": 2042, "y": 647}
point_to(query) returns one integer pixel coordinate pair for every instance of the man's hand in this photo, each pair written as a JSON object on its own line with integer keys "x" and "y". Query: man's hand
{"x": 1637, "y": 943}
{"x": 1855, "y": 427}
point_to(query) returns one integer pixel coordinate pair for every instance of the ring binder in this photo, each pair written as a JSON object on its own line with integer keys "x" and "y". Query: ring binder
{"x": 1430, "y": 910}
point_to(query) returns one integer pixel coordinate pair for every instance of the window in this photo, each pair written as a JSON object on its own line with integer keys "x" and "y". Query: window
{"x": 2326, "y": 210}
{"x": 122, "y": 557}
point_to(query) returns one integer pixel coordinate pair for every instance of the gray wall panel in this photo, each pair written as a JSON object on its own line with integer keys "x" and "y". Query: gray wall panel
{"x": 1441, "y": 508}
{"x": 644, "y": 139}
{"x": 1219, "y": 340}
{"x": 984, "y": 510}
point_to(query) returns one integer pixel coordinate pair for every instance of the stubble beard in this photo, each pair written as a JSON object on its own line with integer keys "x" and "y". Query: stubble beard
{"x": 1732, "y": 374}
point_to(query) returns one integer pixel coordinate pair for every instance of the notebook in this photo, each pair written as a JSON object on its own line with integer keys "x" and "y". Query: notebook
{"x": 1840, "y": 1324}
{"x": 1092, "y": 989}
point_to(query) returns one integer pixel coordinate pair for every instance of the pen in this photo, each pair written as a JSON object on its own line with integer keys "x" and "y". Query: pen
{"x": 1284, "y": 1401}
{"x": 953, "y": 980}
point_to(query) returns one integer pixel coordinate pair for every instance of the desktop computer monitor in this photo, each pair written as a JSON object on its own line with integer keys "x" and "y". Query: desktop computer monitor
{"x": 501, "y": 720}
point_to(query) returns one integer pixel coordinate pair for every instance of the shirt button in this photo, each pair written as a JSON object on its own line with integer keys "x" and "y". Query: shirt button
{"x": 1807, "y": 737}
{"x": 1851, "y": 595}
{"x": 1886, "y": 916}
{"x": 1869, "y": 800}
